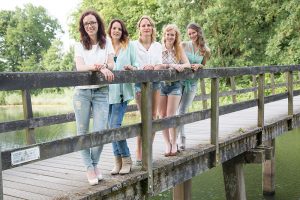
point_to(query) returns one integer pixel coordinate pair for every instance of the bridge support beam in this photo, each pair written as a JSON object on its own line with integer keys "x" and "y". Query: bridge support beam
{"x": 234, "y": 179}
{"x": 183, "y": 191}
{"x": 268, "y": 184}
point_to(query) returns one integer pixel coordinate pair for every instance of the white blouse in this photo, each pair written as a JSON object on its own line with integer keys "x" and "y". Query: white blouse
{"x": 152, "y": 56}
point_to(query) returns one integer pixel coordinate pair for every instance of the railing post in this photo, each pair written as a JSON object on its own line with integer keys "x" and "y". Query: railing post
{"x": 268, "y": 172}
{"x": 254, "y": 85}
{"x": 214, "y": 123}
{"x": 261, "y": 100}
{"x": 233, "y": 88}
{"x": 183, "y": 191}
{"x": 1, "y": 181}
{"x": 203, "y": 92}
{"x": 28, "y": 114}
{"x": 146, "y": 115}
{"x": 272, "y": 83}
{"x": 290, "y": 93}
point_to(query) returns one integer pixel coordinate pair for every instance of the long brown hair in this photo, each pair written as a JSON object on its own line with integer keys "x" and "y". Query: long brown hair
{"x": 177, "y": 42}
{"x": 101, "y": 35}
{"x": 124, "y": 40}
{"x": 153, "y": 35}
{"x": 201, "y": 42}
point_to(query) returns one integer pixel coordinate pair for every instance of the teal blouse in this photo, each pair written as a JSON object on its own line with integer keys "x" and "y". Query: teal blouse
{"x": 126, "y": 57}
{"x": 194, "y": 58}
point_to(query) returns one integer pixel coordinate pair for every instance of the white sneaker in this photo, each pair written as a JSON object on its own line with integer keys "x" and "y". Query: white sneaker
{"x": 92, "y": 178}
{"x": 98, "y": 174}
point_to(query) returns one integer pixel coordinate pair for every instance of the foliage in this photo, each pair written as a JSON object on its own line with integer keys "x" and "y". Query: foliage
{"x": 25, "y": 35}
{"x": 239, "y": 32}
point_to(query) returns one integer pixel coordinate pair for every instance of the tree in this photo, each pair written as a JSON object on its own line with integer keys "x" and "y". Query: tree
{"x": 26, "y": 34}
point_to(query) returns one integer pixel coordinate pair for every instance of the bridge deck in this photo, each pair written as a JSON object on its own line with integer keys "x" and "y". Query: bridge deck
{"x": 64, "y": 177}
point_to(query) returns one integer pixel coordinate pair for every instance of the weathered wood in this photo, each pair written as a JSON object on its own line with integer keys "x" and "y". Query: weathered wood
{"x": 272, "y": 83}
{"x": 203, "y": 92}
{"x": 261, "y": 103}
{"x": 28, "y": 114}
{"x": 1, "y": 180}
{"x": 254, "y": 86}
{"x": 146, "y": 117}
{"x": 233, "y": 88}
{"x": 15, "y": 81}
{"x": 214, "y": 137}
{"x": 269, "y": 171}
{"x": 76, "y": 143}
{"x": 290, "y": 93}
{"x": 183, "y": 191}
{"x": 234, "y": 179}
{"x": 256, "y": 156}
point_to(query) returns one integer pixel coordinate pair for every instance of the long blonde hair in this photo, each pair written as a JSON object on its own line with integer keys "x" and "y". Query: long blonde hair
{"x": 153, "y": 35}
{"x": 201, "y": 42}
{"x": 177, "y": 42}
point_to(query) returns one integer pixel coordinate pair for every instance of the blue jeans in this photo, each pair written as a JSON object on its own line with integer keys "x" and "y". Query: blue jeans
{"x": 86, "y": 101}
{"x": 171, "y": 88}
{"x": 116, "y": 114}
{"x": 188, "y": 95}
{"x": 155, "y": 86}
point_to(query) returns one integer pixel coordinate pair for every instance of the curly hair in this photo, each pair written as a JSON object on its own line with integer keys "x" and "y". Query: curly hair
{"x": 101, "y": 35}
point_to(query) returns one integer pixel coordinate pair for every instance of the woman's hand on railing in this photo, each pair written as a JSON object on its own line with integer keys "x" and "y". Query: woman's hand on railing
{"x": 178, "y": 67}
{"x": 108, "y": 75}
{"x": 148, "y": 67}
{"x": 195, "y": 67}
{"x": 129, "y": 67}
{"x": 161, "y": 66}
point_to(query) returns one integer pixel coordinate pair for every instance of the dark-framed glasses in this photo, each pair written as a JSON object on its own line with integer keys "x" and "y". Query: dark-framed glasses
{"x": 86, "y": 24}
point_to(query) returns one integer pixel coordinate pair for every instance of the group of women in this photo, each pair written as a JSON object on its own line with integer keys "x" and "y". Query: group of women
{"x": 108, "y": 103}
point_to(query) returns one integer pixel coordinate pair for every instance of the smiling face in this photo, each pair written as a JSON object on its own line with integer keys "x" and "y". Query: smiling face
{"x": 170, "y": 37}
{"x": 145, "y": 28}
{"x": 90, "y": 25}
{"x": 116, "y": 31}
{"x": 193, "y": 34}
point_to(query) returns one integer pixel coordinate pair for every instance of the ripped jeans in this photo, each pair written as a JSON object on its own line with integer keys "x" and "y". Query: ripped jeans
{"x": 86, "y": 101}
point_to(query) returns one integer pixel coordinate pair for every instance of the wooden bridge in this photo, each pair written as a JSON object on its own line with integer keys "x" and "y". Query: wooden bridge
{"x": 228, "y": 135}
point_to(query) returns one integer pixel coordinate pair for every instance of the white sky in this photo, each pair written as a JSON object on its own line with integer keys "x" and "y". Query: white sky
{"x": 60, "y": 9}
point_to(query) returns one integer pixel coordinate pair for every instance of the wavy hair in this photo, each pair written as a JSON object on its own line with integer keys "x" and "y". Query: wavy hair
{"x": 153, "y": 35}
{"x": 101, "y": 35}
{"x": 201, "y": 42}
{"x": 177, "y": 42}
{"x": 124, "y": 40}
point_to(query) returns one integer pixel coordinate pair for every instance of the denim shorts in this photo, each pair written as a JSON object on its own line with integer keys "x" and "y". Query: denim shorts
{"x": 155, "y": 86}
{"x": 171, "y": 88}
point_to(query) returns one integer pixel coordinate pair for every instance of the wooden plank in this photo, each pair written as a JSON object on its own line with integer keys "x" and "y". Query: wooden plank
{"x": 234, "y": 180}
{"x": 183, "y": 191}
{"x": 269, "y": 171}
{"x": 24, "y": 194}
{"x": 261, "y": 103}
{"x": 214, "y": 135}
{"x": 28, "y": 114}
{"x": 233, "y": 88}
{"x": 146, "y": 134}
{"x": 290, "y": 93}
{"x": 15, "y": 81}
{"x": 32, "y": 189}
{"x": 203, "y": 92}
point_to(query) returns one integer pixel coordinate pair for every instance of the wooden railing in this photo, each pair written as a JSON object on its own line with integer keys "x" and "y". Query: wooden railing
{"x": 30, "y": 81}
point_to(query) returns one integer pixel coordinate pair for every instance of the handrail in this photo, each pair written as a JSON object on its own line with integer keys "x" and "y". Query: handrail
{"x": 29, "y": 81}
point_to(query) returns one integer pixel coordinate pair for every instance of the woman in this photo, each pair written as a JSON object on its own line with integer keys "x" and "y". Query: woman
{"x": 120, "y": 94}
{"x": 198, "y": 53}
{"x": 149, "y": 57}
{"x": 92, "y": 53}
{"x": 170, "y": 94}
